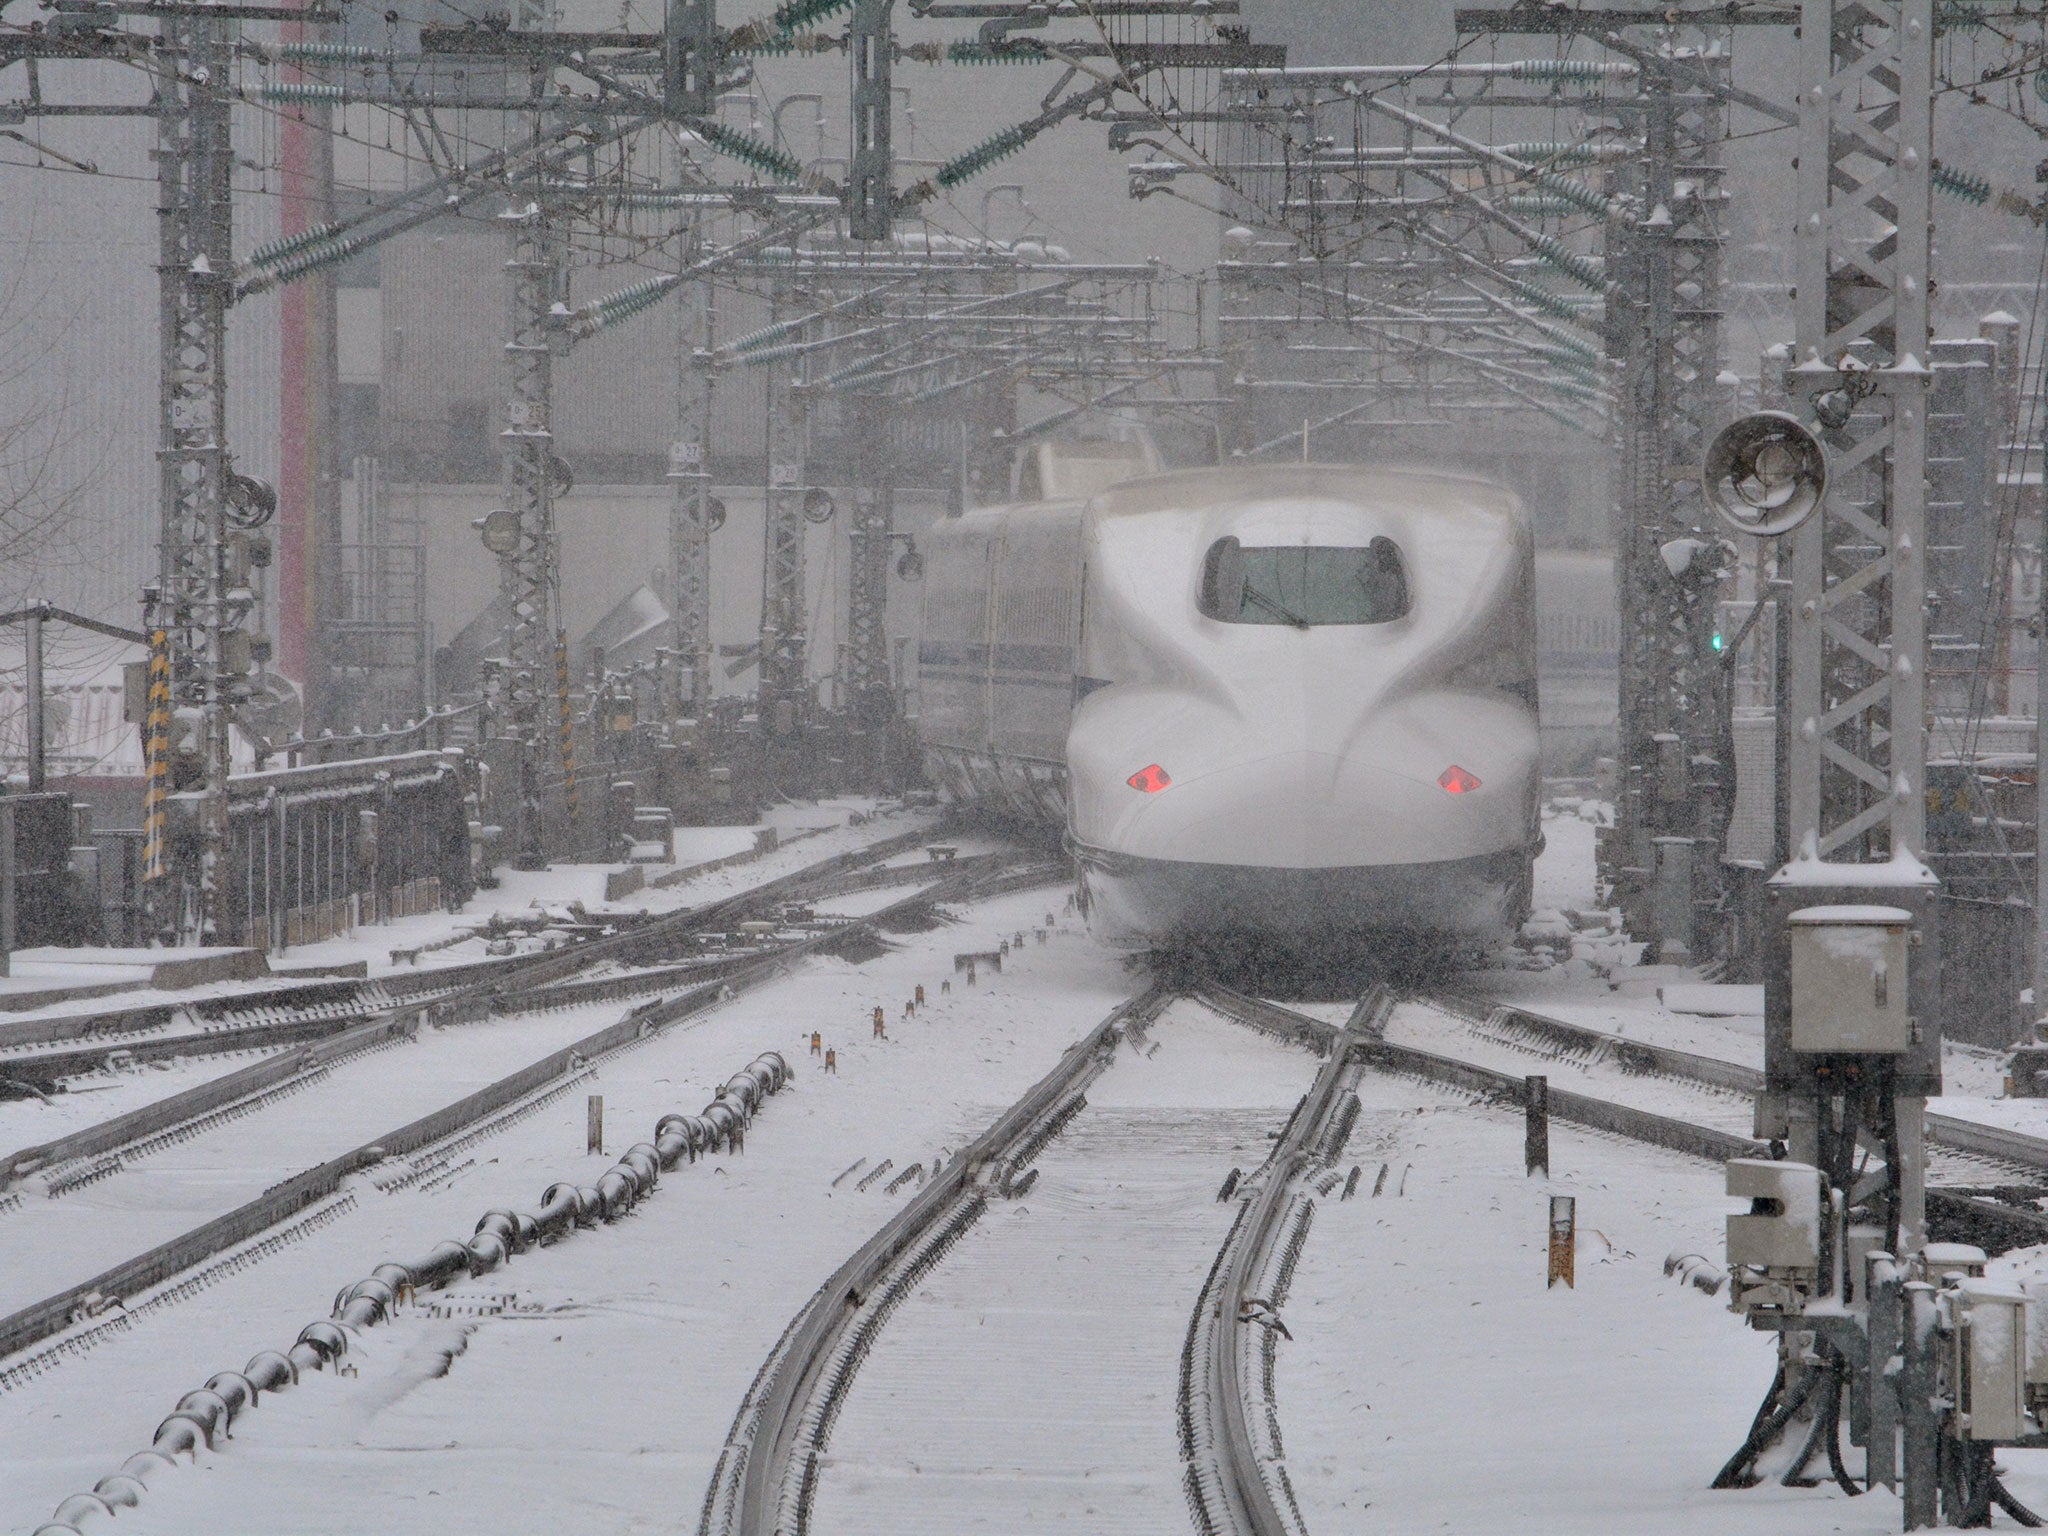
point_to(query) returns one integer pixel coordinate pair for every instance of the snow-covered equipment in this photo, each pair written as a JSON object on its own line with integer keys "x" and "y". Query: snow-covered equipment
{"x": 1987, "y": 1338}
{"x": 1774, "y": 1246}
{"x": 1849, "y": 979}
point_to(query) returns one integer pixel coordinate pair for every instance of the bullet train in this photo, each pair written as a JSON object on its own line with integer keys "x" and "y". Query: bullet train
{"x": 1277, "y": 703}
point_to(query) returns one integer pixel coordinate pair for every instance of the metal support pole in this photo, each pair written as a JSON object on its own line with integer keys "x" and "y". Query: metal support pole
{"x": 1919, "y": 1383}
{"x": 565, "y": 718}
{"x": 689, "y": 471}
{"x": 784, "y": 632}
{"x": 1883, "y": 1299}
{"x": 2041, "y": 802}
{"x": 869, "y": 693}
{"x": 1910, "y": 1111}
{"x": 38, "y": 742}
{"x": 870, "y": 193}
{"x": 528, "y": 567}
{"x": 201, "y": 616}
{"x": 1676, "y": 873}
{"x": 9, "y": 858}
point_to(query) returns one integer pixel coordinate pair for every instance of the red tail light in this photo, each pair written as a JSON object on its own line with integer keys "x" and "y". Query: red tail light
{"x": 1456, "y": 781}
{"x": 1150, "y": 779}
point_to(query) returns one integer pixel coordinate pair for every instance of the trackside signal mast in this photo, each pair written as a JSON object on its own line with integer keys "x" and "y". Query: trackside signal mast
{"x": 1895, "y": 1341}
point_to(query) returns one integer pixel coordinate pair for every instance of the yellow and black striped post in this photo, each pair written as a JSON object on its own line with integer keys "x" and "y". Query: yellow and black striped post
{"x": 157, "y": 753}
{"x": 568, "y": 726}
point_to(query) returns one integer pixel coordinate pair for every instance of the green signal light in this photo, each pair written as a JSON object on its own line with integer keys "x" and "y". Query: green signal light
{"x": 1719, "y": 642}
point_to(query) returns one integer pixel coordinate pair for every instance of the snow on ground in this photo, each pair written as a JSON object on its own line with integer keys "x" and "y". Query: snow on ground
{"x": 1433, "y": 1383}
{"x": 1030, "y": 1381}
{"x": 598, "y": 1402}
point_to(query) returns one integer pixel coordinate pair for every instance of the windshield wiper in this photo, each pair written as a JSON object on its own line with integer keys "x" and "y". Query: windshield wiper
{"x": 1270, "y": 605}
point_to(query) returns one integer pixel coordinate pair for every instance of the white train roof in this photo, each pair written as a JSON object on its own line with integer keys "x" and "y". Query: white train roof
{"x": 1390, "y": 487}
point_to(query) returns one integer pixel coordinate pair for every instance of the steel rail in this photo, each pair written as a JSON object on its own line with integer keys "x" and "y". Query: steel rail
{"x": 1248, "y": 1496}
{"x": 52, "y": 1315}
{"x": 747, "y": 1493}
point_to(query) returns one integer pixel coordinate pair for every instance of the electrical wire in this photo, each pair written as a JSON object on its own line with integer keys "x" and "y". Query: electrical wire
{"x": 1765, "y": 1429}
{"x": 2004, "y": 1500}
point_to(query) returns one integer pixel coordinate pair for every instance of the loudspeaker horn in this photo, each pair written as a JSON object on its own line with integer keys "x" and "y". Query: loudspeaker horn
{"x": 1765, "y": 473}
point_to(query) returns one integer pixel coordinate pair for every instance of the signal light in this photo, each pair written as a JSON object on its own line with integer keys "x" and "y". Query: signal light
{"x": 1456, "y": 781}
{"x": 1150, "y": 779}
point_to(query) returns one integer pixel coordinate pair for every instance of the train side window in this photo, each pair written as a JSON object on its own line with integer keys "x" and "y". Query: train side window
{"x": 1304, "y": 585}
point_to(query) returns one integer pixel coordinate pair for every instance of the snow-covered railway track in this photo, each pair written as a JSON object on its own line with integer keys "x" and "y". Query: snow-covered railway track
{"x": 1037, "y": 1366}
{"x": 307, "y": 1158}
{"x": 1961, "y": 1152}
{"x": 1229, "y": 1420}
{"x": 39, "y": 1054}
{"x": 1245, "y": 1466}
{"x": 529, "y": 984}
{"x": 766, "y": 1479}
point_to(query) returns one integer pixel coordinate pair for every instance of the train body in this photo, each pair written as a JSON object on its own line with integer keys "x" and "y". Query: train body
{"x": 1285, "y": 701}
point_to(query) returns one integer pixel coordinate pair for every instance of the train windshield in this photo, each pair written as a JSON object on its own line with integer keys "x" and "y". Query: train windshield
{"x": 1304, "y": 585}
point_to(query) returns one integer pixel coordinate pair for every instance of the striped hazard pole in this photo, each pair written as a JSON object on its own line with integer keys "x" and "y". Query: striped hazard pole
{"x": 568, "y": 725}
{"x": 157, "y": 754}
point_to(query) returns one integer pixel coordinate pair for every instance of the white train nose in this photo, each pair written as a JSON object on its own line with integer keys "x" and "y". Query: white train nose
{"x": 1405, "y": 795}
{"x": 1284, "y": 810}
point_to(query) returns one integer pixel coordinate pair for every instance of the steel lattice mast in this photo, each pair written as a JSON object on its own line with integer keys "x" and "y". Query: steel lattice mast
{"x": 528, "y": 564}
{"x": 690, "y": 511}
{"x": 785, "y": 634}
{"x": 196, "y": 607}
{"x": 1855, "y": 719}
{"x": 1859, "y": 567}
{"x": 1664, "y": 329}
{"x": 874, "y": 504}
